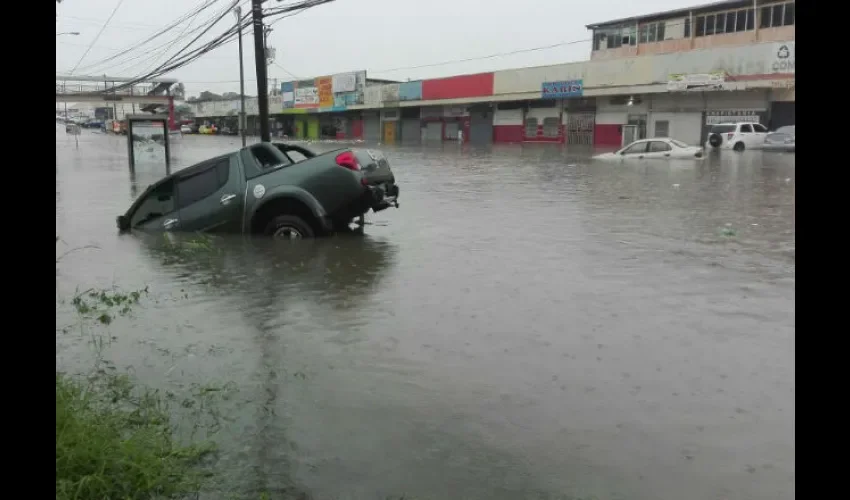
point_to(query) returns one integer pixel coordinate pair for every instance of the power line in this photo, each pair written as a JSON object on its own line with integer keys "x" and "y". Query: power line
{"x": 98, "y": 35}
{"x": 194, "y": 12}
{"x": 286, "y": 70}
{"x": 224, "y": 38}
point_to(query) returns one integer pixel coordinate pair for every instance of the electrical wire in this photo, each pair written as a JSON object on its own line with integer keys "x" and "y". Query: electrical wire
{"x": 117, "y": 6}
{"x": 137, "y": 45}
{"x": 177, "y": 60}
{"x": 175, "y": 63}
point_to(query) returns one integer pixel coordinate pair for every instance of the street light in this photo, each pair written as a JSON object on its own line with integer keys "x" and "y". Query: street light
{"x": 237, "y": 11}
{"x": 72, "y": 33}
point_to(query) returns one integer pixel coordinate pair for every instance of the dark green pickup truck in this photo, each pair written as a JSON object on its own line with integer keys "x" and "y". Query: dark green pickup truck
{"x": 264, "y": 189}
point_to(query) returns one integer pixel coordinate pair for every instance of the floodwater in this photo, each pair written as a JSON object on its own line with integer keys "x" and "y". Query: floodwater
{"x": 529, "y": 324}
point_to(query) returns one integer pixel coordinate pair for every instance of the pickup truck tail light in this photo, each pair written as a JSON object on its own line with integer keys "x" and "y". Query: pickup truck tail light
{"x": 729, "y": 136}
{"x": 348, "y": 160}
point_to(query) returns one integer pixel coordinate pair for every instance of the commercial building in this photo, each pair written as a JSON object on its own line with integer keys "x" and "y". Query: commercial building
{"x": 666, "y": 74}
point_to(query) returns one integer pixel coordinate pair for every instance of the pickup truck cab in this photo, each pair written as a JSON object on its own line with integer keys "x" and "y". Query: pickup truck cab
{"x": 259, "y": 189}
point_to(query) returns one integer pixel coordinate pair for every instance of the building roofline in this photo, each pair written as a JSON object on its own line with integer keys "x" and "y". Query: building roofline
{"x": 670, "y": 13}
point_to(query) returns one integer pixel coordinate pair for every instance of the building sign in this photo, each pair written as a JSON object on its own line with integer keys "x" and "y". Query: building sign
{"x": 733, "y": 116}
{"x": 783, "y": 58}
{"x": 699, "y": 82}
{"x": 562, "y": 90}
{"x": 306, "y": 94}
{"x": 345, "y": 82}
{"x": 287, "y": 90}
{"x": 325, "y": 91}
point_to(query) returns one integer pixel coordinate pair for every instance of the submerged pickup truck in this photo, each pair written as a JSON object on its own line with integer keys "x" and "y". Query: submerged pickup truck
{"x": 265, "y": 189}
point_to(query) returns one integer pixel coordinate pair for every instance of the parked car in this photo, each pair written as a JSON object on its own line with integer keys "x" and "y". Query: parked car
{"x": 736, "y": 136}
{"x": 783, "y": 139}
{"x": 657, "y": 148}
{"x": 261, "y": 190}
{"x": 185, "y": 129}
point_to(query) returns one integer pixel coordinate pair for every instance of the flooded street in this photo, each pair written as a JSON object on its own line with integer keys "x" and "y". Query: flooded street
{"x": 528, "y": 324}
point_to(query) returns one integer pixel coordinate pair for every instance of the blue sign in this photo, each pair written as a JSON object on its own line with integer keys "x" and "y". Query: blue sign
{"x": 410, "y": 91}
{"x": 562, "y": 90}
{"x": 287, "y": 89}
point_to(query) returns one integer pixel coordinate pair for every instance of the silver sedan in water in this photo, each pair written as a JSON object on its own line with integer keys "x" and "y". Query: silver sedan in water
{"x": 783, "y": 139}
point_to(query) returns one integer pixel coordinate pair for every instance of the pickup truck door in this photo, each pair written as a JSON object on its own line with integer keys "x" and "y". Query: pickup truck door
{"x": 211, "y": 196}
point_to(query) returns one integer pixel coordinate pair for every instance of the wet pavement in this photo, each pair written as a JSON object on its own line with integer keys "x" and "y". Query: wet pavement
{"x": 529, "y": 324}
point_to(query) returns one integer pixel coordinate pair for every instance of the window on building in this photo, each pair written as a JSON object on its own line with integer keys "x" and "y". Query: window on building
{"x": 612, "y": 38}
{"x": 531, "y": 127}
{"x": 741, "y": 20}
{"x": 651, "y": 32}
{"x": 729, "y": 22}
{"x": 629, "y": 36}
{"x": 709, "y": 24}
{"x": 688, "y": 27}
{"x": 788, "y": 19}
{"x": 662, "y": 128}
{"x": 773, "y": 16}
{"x": 731, "y": 17}
{"x": 551, "y": 126}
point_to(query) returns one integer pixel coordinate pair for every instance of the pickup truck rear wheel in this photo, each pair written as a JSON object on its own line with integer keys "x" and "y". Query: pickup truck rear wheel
{"x": 288, "y": 227}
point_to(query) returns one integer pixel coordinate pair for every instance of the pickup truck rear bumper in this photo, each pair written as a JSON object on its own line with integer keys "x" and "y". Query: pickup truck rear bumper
{"x": 383, "y": 196}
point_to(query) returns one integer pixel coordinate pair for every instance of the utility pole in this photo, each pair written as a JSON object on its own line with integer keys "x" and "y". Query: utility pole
{"x": 260, "y": 63}
{"x": 242, "y": 119}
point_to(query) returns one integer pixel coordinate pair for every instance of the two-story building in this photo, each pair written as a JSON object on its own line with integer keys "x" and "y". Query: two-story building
{"x": 725, "y": 61}
{"x": 665, "y": 74}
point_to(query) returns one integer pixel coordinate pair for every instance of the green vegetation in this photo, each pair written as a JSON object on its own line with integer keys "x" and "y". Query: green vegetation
{"x": 115, "y": 440}
{"x": 114, "y": 443}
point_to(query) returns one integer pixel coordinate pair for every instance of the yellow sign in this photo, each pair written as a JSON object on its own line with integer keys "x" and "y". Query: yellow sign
{"x": 326, "y": 92}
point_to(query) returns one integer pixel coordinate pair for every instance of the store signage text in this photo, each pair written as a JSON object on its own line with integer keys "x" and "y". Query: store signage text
{"x": 562, "y": 90}
{"x": 784, "y": 57}
{"x": 733, "y": 116}
{"x": 698, "y": 82}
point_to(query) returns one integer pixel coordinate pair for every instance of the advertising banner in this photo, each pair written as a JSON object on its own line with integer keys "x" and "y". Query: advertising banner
{"x": 325, "y": 91}
{"x": 344, "y": 82}
{"x": 699, "y": 82}
{"x": 306, "y": 94}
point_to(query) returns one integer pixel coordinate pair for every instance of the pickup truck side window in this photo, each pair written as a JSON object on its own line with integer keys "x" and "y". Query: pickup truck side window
{"x": 746, "y": 128}
{"x": 158, "y": 203}
{"x": 267, "y": 159}
{"x": 759, "y": 128}
{"x": 203, "y": 183}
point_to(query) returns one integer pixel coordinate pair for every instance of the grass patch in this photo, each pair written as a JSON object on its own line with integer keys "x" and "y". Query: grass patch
{"x": 112, "y": 442}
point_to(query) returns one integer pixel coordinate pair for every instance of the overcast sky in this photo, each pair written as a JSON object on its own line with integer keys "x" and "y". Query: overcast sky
{"x": 376, "y": 35}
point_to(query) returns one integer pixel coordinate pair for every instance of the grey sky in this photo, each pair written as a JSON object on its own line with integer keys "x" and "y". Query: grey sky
{"x": 376, "y": 35}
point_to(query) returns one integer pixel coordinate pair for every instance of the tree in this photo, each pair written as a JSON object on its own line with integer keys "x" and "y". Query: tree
{"x": 183, "y": 111}
{"x": 180, "y": 91}
{"x": 209, "y": 96}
